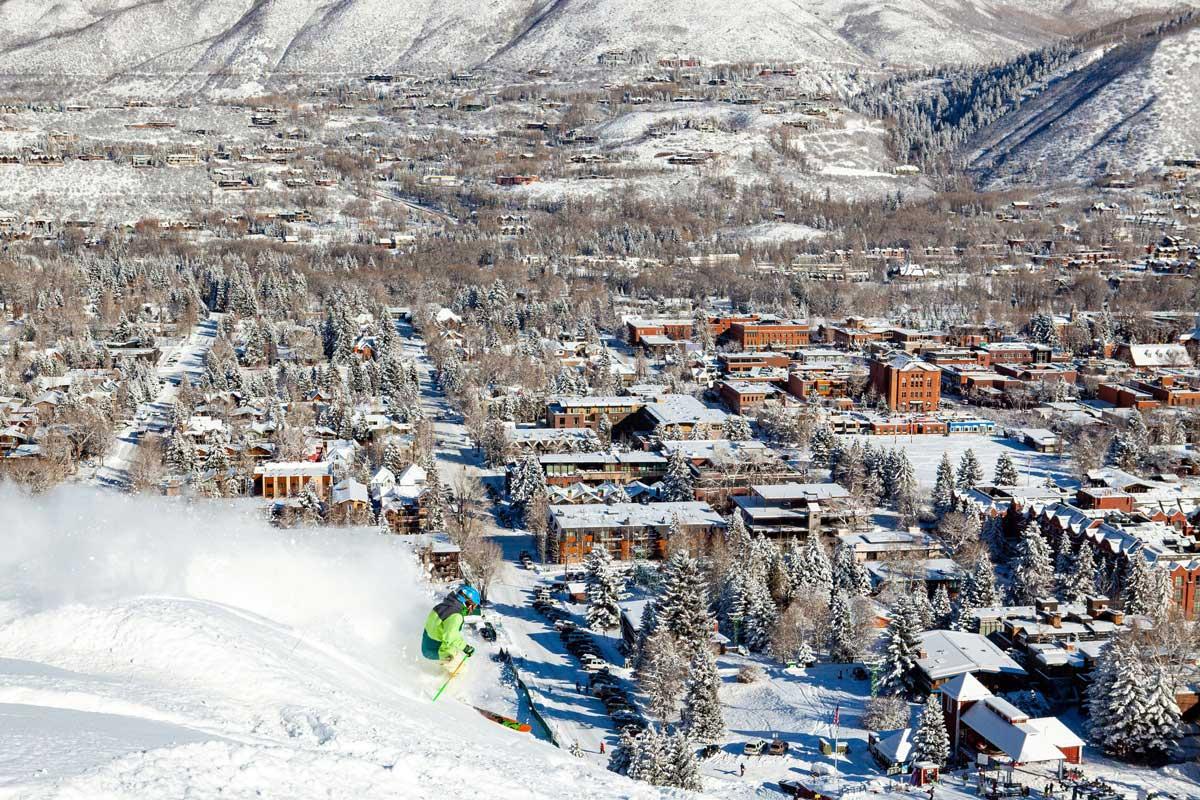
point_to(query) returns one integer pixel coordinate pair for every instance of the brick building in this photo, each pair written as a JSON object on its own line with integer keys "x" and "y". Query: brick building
{"x": 905, "y": 383}
{"x": 770, "y": 333}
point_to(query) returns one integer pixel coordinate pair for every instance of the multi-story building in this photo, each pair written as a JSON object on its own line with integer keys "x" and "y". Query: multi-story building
{"x": 585, "y": 412}
{"x": 769, "y": 333}
{"x": 905, "y": 383}
{"x": 275, "y": 479}
{"x": 628, "y": 530}
{"x": 787, "y": 510}
{"x": 564, "y": 469}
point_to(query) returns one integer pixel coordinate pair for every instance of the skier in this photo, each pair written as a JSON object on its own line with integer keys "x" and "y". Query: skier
{"x": 442, "y": 639}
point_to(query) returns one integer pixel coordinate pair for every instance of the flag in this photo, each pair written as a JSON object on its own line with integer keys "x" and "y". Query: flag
{"x": 837, "y": 714}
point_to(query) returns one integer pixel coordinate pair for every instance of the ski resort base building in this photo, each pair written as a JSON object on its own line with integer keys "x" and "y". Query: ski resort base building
{"x": 628, "y": 530}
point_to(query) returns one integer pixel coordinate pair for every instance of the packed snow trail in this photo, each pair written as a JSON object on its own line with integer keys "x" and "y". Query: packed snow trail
{"x": 154, "y": 648}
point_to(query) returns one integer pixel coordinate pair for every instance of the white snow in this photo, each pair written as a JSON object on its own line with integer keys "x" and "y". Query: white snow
{"x": 154, "y": 648}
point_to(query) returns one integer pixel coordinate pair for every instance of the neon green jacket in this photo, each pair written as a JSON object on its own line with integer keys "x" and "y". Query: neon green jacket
{"x": 444, "y": 625}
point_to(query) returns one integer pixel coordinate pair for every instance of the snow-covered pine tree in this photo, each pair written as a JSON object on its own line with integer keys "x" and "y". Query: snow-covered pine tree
{"x": 393, "y": 456}
{"x": 603, "y": 591}
{"x": 931, "y": 741}
{"x": 1080, "y": 580}
{"x": 809, "y": 570}
{"x": 647, "y": 625}
{"x": 604, "y": 430}
{"x": 734, "y": 602}
{"x": 662, "y": 673}
{"x": 842, "y": 644}
{"x": 944, "y": 486}
{"x": 901, "y": 646}
{"x": 906, "y": 497}
{"x": 922, "y": 608}
{"x": 683, "y": 605}
{"x": 941, "y": 608}
{"x": 821, "y": 444}
{"x": 1131, "y": 704}
{"x": 849, "y": 575}
{"x": 761, "y": 613}
{"x": 1006, "y": 471}
{"x": 737, "y": 536}
{"x": 684, "y": 770}
{"x": 702, "y": 719}
{"x": 1033, "y": 574}
{"x": 1137, "y": 590}
{"x": 677, "y": 483}
{"x": 736, "y": 428}
{"x": 970, "y": 473}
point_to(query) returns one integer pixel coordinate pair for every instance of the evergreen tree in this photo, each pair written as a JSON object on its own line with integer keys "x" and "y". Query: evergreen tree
{"x": 849, "y": 575}
{"x": 931, "y": 741}
{"x": 676, "y": 485}
{"x": 906, "y": 494}
{"x": 1080, "y": 581}
{"x": 1138, "y": 586}
{"x": 1006, "y": 471}
{"x": 604, "y": 430}
{"x": 736, "y": 428}
{"x": 970, "y": 473}
{"x": 737, "y": 536}
{"x": 702, "y": 718}
{"x": 683, "y": 605}
{"x": 662, "y": 673}
{"x": 646, "y": 627}
{"x": 685, "y": 770}
{"x": 761, "y": 613}
{"x": 842, "y": 644}
{"x": 393, "y": 456}
{"x": 181, "y": 453}
{"x": 941, "y": 608}
{"x": 603, "y": 591}
{"x": 901, "y": 647}
{"x": 809, "y": 570}
{"x": 944, "y": 486}
{"x": 822, "y": 444}
{"x": 1033, "y": 575}
{"x": 1131, "y": 704}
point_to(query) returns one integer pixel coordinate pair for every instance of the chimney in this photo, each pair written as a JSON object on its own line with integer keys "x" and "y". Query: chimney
{"x": 1096, "y": 604}
{"x": 1046, "y": 604}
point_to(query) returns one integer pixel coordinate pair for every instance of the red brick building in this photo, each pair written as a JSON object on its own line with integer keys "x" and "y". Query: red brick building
{"x": 906, "y": 384}
{"x": 773, "y": 334}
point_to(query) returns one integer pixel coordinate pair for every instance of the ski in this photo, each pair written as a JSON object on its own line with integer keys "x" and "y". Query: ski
{"x": 507, "y": 722}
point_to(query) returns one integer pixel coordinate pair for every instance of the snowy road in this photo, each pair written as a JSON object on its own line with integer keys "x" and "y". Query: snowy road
{"x": 185, "y": 357}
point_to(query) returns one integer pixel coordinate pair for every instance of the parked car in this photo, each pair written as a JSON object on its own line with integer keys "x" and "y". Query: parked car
{"x": 754, "y": 747}
{"x": 777, "y": 747}
{"x": 488, "y": 632}
{"x": 709, "y": 750}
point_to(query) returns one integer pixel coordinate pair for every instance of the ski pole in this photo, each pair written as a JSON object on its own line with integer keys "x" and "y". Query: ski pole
{"x": 447, "y": 681}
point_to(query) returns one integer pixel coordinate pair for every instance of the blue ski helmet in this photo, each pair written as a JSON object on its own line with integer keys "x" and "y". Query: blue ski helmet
{"x": 469, "y": 594}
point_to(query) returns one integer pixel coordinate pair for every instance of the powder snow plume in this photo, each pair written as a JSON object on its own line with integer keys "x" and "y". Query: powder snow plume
{"x": 79, "y": 545}
{"x": 153, "y": 648}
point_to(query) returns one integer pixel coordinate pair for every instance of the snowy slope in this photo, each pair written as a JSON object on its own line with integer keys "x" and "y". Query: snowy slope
{"x": 184, "y": 43}
{"x": 1126, "y": 109}
{"x": 155, "y": 650}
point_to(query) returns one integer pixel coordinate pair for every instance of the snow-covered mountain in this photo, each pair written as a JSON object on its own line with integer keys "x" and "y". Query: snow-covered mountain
{"x": 214, "y": 656}
{"x": 1125, "y": 108}
{"x": 243, "y": 39}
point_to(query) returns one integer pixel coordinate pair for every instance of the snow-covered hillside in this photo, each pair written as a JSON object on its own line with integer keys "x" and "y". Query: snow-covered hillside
{"x": 153, "y": 649}
{"x": 235, "y": 43}
{"x": 1127, "y": 109}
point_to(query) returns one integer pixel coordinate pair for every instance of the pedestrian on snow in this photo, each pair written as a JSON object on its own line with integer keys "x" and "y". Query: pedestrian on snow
{"x": 576, "y": 687}
{"x": 743, "y": 774}
{"x": 602, "y": 748}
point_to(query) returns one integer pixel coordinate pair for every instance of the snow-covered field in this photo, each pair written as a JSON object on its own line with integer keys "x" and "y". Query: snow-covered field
{"x": 926, "y": 451}
{"x": 153, "y": 648}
